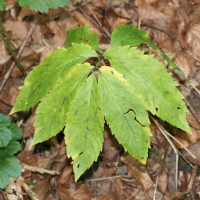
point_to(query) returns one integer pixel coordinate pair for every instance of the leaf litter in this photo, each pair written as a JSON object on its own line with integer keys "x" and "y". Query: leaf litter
{"x": 174, "y": 27}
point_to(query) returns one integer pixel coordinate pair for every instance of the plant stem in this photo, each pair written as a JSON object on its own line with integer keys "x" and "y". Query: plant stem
{"x": 10, "y": 49}
{"x": 100, "y": 59}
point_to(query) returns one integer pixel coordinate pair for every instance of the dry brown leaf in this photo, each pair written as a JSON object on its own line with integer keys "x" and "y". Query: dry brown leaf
{"x": 182, "y": 60}
{"x": 42, "y": 187}
{"x": 158, "y": 195}
{"x": 103, "y": 187}
{"x": 24, "y": 12}
{"x": 33, "y": 160}
{"x": 164, "y": 41}
{"x": 98, "y": 3}
{"x": 151, "y": 1}
{"x": 9, "y": 4}
{"x": 138, "y": 171}
{"x": 74, "y": 191}
{"x": 120, "y": 21}
{"x": 50, "y": 197}
{"x": 162, "y": 180}
{"x": 185, "y": 138}
{"x": 195, "y": 150}
{"x": 10, "y": 92}
{"x": 111, "y": 147}
{"x": 147, "y": 11}
{"x": 66, "y": 176}
{"x": 176, "y": 196}
{"x": 19, "y": 29}
{"x": 193, "y": 39}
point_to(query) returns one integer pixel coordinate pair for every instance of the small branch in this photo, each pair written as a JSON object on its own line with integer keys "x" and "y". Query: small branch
{"x": 169, "y": 34}
{"x": 30, "y": 192}
{"x": 5, "y": 39}
{"x": 106, "y": 32}
{"x": 26, "y": 167}
{"x": 155, "y": 191}
{"x": 110, "y": 177}
{"x": 174, "y": 148}
{"x": 18, "y": 55}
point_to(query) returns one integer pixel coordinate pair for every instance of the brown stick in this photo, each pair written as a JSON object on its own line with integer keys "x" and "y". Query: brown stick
{"x": 6, "y": 77}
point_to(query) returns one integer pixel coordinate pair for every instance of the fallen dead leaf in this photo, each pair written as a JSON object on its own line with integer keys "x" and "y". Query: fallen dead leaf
{"x": 42, "y": 187}
{"x": 185, "y": 138}
{"x": 193, "y": 38}
{"x": 195, "y": 150}
{"x": 147, "y": 11}
{"x": 138, "y": 171}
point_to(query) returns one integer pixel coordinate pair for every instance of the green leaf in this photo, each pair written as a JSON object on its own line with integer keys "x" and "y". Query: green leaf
{"x": 2, "y": 5}
{"x": 4, "y": 120}
{"x": 84, "y": 127}
{"x": 82, "y": 35}
{"x": 12, "y": 148}
{"x": 52, "y": 71}
{"x": 16, "y": 133}
{"x": 122, "y": 107}
{"x": 9, "y": 167}
{"x": 51, "y": 113}
{"x": 5, "y": 136}
{"x": 130, "y": 35}
{"x": 151, "y": 83}
{"x": 43, "y": 5}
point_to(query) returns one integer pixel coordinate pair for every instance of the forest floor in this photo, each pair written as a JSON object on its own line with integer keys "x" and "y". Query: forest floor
{"x": 174, "y": 26}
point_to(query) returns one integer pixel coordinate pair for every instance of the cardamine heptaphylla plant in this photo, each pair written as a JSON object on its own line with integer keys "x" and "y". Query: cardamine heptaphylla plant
{"x": 80, "y": 97}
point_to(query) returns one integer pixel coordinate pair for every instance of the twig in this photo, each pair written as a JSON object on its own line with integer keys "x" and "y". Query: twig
{"x": 30, "y": 193}
{"x": 106, "y": 32}
{"x": 18, "y": 55}
{"x": 155, "y": 190}
{"x": 179, "y": 143}
{"x": 195, "y": 88}
{"x": 108, "y": 178}
{"x": 26, "y": 167}
{"x": 169, "y": 34}
{"x": 10, "y": 49}
{"x": 192, "y": 110}
{"x": 174, "y": 148}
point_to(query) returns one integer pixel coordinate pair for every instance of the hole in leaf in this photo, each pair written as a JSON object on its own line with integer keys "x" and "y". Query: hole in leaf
{"x": 80, "y": 153}
{"x": 78, "y": 166}
{"x": 157, "y": 109}
{"x": 178, "y": 108}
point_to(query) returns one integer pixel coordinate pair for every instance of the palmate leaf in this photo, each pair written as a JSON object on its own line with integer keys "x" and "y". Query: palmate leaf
{"x": 52, "y": 71}
{"x": 82, "y": 35}
{"x": 151, "y": 83}
{"x": 121, "y": 109}
{"x": 43, "y": 5}
{"x": 130, "y": 35}
{"x": 84, "y": 127}
{"x": 51, "y": 112}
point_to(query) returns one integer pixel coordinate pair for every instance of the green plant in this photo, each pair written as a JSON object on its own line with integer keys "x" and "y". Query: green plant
{"x": 9, "y": 164}
{"x": 80, "y": 97}
{"x": 39, "y": 5}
